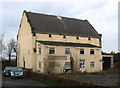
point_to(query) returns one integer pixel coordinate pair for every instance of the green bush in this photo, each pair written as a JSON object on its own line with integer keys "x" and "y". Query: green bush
{"x": 118, "y": 65}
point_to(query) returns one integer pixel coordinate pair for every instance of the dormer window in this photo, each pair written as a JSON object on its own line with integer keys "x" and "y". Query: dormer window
{"x": 50, "y": 35}
{"x": 64, "y": 36}
{"x": 89, "y": 38}
{"x": 77, "y": 37}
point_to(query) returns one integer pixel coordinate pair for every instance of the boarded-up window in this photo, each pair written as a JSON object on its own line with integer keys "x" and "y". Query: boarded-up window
{"x": 52, "y": 65}
{"x": 67, "y": 65}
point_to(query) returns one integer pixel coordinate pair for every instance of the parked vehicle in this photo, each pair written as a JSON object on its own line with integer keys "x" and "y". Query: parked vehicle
{"x": 7, "y": 70}
{"x": 17, "y": 72}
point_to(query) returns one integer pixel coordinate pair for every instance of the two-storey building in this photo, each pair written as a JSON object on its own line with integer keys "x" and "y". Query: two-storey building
{"x": 49, "y": 43}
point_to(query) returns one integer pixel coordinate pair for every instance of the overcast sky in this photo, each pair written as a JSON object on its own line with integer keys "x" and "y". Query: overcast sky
{"x": 102, "y": 14}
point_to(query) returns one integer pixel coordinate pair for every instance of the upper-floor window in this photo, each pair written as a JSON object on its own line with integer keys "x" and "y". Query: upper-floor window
{"x": 50, "y": 35}
{"x": 92, "y": 64}
{"x": 77, "y": 37}
{"x": 67, "y": 50}
{"x": 81, "y": 51}
{"x": 64, "y": 36}
{"x": 39, "y": 50}
{"x": 91, "y": 51}
{"x": 51, "y": 50}
{"x": 89, "y": 38}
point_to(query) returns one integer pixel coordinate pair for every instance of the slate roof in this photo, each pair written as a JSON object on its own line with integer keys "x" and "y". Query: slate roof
{"x": 51, "y": 24}
{"x": 67, "y": 44}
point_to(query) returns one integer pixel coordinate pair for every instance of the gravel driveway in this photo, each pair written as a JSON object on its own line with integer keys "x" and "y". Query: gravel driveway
{"x": 108, "y": 79}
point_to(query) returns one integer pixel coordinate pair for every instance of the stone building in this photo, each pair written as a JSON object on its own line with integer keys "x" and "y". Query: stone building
{"x": 49, "y": 43}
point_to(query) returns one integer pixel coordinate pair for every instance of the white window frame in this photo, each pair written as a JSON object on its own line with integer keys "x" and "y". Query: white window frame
{"x": 39, "y": 50}
{"x": 92, "y": 64}
{"x": 39, "y": 64}
{"x": 51, "y": 49}
{"x": 66, "y": 63}
{"x": 91, "y": 51}
{"x": 67, "y": 50}
{"x": 81, "y": 49}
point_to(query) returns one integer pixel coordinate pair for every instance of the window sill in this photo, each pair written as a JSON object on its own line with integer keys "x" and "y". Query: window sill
{"x": 92, "y": 67}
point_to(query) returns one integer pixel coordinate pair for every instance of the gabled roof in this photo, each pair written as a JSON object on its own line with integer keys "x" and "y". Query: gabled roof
{"x": 67, "y": 44}
{"x": 51, "y": 24}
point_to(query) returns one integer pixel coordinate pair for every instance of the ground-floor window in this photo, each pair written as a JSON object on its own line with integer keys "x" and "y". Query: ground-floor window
{"x": 52, "y": 65}
{"x": 67, "y": 65}
{"x": 67, "y": 50}
{"x": 92, "y": 64}
{"x": 39, "y": 64}
{"x": 82, "y": 65}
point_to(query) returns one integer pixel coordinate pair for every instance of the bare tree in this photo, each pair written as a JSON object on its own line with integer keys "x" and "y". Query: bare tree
{"x": 12, "y": 48}
{"x": 2, "y": 45}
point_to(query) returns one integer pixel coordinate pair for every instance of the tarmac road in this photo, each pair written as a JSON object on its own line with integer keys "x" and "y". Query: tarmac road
{"x": 7, "y": 82}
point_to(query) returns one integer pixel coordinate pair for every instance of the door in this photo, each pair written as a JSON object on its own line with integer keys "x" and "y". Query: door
{"x": 24, "y": 64}
{"x": 106, "y": 64}
{"x": 82, "y": 66}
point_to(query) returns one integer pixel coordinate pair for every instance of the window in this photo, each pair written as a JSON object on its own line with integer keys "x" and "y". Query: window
{"x": 51, "y": 50}
{"x": 92, "y": 64}
{"x": 39, "y": 50}
{"x": 77, "y": 37}
{"x": 67, "y": 50}
{"x": 39, "y": 64}
{"x": 91, "y": 51}
{"x": 67, "y": 65}
{"x": 81, "y": 51}
{"x": 64, "y": 36}
{"x": 89, "y": 38}
{"x": 52, "y": 65}
{"x": 50, "y": 35}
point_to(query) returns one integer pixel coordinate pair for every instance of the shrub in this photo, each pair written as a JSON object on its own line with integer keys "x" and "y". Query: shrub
{"x": 118, "y": 65}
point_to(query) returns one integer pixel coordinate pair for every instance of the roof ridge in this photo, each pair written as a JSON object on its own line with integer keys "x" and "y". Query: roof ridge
{"x": 55, "y": 15}
{"x": 41, "y": 13}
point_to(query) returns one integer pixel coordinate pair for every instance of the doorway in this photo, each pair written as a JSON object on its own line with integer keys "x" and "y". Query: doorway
{"x": 24, "y": 64}
{"x": 82, "y": 66}
{"x": 107, "y": 63}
